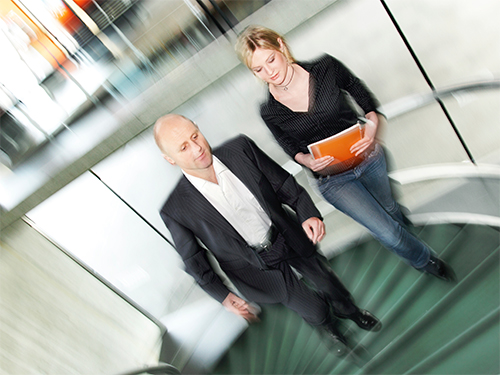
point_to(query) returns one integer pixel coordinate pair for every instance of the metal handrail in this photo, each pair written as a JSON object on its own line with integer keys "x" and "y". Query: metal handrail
{"x": 450, "y": 171}
{"x": 441, "y": 171}
{"x": 159, "y": 369}
{"x": 410, "y": 103}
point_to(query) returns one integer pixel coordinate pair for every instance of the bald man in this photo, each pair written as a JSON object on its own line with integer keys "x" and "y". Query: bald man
{"x": 232, "y": 201}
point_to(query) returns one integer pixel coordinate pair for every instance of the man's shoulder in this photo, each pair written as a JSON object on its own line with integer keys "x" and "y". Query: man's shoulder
{"x": 175, "y": 197}
{"x": 240, "y": 152}
{"x": 237, "y": 144}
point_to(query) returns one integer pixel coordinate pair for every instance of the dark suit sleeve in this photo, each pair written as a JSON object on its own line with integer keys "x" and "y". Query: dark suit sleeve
{"x": 195, "y": 259}
{"x": 284, "y": 184}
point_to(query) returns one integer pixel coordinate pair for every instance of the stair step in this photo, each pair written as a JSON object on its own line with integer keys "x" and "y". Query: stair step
{"x": 430, "y": 326}
{"x": 468, "y": 346}
{"x": 465, "y": 304}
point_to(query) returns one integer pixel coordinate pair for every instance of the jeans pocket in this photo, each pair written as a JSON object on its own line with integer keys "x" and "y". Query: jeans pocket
{"x": 321, "y": 183}
{"x": 374, "y": 152}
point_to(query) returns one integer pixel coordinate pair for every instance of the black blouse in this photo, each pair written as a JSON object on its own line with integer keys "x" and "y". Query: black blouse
{"x": 329, "y": 111}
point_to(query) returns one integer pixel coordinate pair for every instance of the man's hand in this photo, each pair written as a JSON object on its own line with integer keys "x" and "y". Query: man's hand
{"x": 240, "y": 307}
{"x": 314, "y": 228}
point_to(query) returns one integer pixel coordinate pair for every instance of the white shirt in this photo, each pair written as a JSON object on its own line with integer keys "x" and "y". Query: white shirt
{"x": 235, "y": 202}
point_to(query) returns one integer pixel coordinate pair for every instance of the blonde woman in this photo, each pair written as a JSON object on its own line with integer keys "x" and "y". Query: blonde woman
{"x": 307, "y": 102}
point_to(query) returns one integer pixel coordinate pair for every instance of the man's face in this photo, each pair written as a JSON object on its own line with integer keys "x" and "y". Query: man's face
{"x": 185, "y": 146}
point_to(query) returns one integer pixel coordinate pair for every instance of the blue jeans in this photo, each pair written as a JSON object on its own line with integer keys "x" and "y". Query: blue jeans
{"x": 364, "y": 193}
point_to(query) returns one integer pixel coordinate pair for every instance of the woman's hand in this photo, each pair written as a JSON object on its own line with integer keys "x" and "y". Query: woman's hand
{"x": 366, "y": 141}
{"x": 369, "y": 134}
{"x": 313, "y": 164}
{"x": 240, "y": 307}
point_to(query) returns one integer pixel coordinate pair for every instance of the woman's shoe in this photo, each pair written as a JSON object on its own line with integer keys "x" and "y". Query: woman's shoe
{"x": 440, "y": 269}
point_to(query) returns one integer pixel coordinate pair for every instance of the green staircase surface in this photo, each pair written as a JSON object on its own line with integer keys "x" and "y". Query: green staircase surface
{"x": 429, "y": 326}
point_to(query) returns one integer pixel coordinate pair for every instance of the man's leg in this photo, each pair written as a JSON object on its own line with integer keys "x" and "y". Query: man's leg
{"x": 316, "y": 270}
{"x": 306, "y": 302}
{"x": 302, "y": 299}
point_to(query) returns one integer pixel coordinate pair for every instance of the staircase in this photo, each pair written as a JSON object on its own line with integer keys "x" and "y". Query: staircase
{"x": 429, "y": 326}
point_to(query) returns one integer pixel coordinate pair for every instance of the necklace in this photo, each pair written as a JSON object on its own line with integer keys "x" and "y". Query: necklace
{"x": 285, "y": 87}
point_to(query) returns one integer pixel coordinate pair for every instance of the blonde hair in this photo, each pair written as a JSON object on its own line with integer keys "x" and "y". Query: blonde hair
{"x": 254, "y": 37}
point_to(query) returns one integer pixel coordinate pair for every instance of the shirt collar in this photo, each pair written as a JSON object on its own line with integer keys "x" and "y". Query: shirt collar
{"x": 198, "y": 182}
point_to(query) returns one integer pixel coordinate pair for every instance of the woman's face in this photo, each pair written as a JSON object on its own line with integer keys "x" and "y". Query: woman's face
{"x": 269, "y": 65}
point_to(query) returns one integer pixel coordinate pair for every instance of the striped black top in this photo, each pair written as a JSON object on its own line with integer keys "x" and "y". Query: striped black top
{"x": 329, "y": 112}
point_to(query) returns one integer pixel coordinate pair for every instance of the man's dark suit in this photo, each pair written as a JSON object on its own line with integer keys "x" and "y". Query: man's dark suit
{"x": 191, "y": 218}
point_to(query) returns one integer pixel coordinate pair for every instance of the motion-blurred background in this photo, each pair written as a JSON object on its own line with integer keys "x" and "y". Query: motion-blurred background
{"x": 89, "y": 280}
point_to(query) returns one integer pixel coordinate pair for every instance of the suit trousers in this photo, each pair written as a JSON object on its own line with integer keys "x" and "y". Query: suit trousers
{"x": 324, "y": 294}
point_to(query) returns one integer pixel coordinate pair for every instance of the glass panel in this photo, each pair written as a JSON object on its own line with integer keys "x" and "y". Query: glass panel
{"x": 475, "y": 115}
{"x": 89, "y": 221}
{"x": 456, "y": 200}
{"x": 360, "y": 34}
{"x": 455, "y": 40}
{"x": 236, "y": 10}
{"x": 421, "y": 137}
{"x": 139, "y": 174}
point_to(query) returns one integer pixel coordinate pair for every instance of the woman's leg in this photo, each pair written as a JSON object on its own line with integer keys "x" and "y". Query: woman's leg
{"x": 373, "y": 176}
{"x": 377, "y": 212}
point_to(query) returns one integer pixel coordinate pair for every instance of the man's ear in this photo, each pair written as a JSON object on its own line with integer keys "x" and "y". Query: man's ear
{"x": 169, "y": 159}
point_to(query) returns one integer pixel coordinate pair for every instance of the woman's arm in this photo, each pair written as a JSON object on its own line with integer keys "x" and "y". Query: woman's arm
{"x": 346, "y": 80}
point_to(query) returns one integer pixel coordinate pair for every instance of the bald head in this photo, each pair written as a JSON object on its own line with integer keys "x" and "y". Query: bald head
{"x": 182, "y": 144}
{"x": 164, "y": 128}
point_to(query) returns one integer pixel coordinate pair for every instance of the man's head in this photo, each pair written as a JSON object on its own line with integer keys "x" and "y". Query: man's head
{"x": 182, "y": 144}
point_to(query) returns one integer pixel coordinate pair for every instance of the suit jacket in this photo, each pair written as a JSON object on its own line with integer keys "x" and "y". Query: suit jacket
{"x": 192, "y": 220}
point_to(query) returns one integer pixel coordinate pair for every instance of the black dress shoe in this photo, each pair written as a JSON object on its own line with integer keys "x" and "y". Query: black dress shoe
{"x": 366, "y": 320}
{"x": 333, "y": 339}
{"x": 440, "y": 269}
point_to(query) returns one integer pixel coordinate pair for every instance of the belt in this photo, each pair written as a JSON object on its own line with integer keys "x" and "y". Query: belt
{"x": 268, "y": 243}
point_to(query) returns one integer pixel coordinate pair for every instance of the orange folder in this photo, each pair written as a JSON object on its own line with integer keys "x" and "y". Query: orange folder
{"x": 337, "y": 145}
